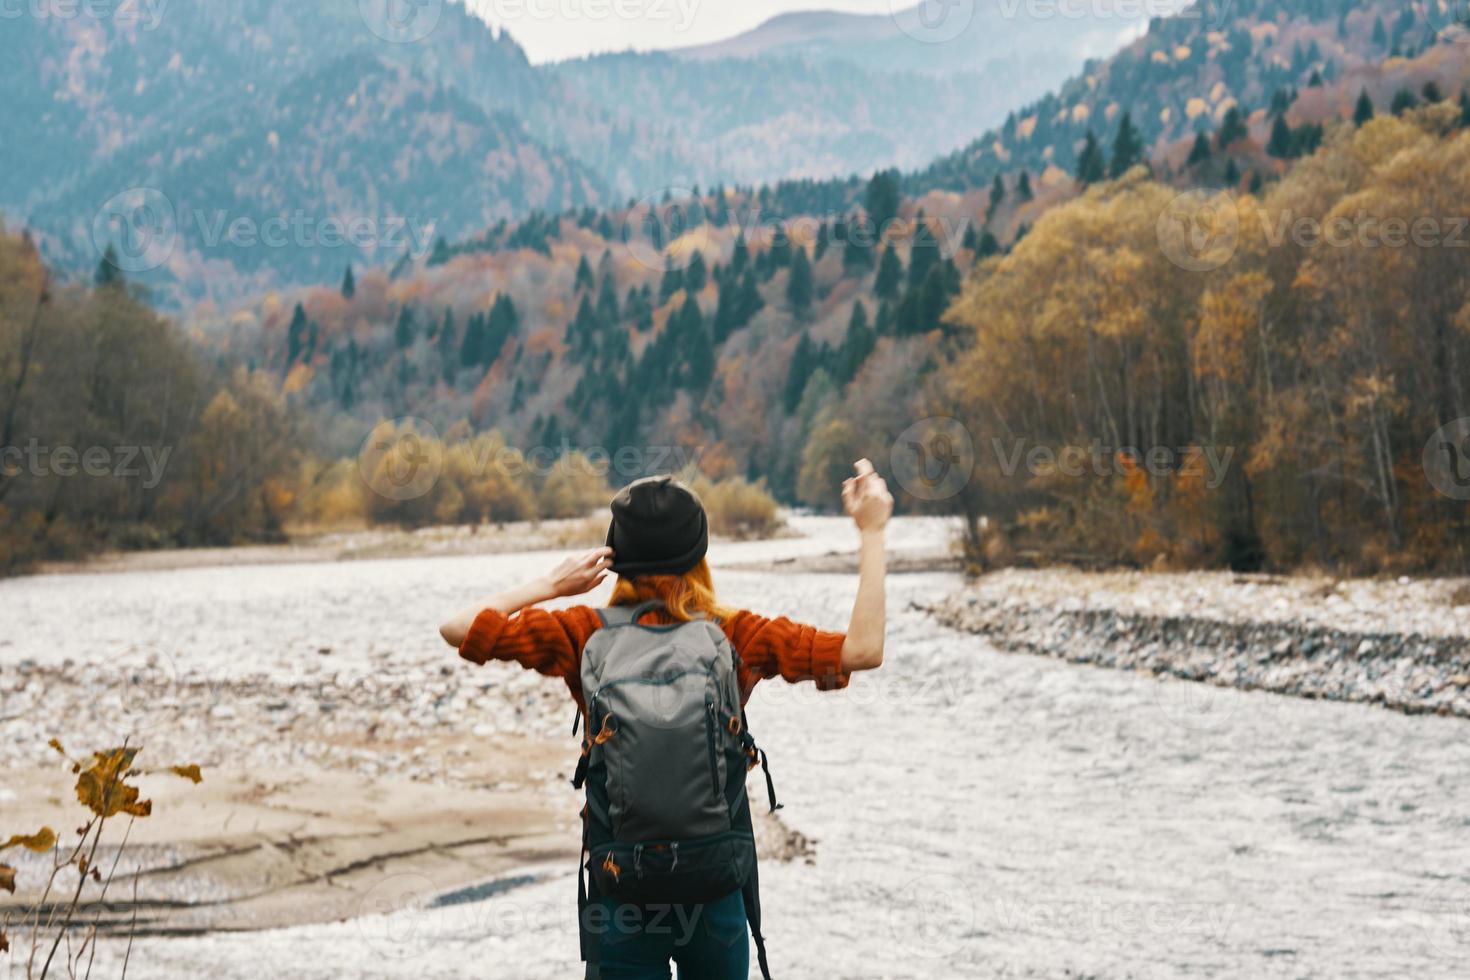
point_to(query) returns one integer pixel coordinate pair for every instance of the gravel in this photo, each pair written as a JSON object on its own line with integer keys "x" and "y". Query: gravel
{"x": 1403, "y": 644}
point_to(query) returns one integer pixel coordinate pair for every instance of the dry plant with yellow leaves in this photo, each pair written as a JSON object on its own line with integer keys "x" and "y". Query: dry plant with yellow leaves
{"x": 55, "y": 923}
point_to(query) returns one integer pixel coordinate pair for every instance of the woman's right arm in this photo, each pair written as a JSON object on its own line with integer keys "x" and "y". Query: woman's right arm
{"x": 577, "y": 574}
{"x": 866, "y": 498}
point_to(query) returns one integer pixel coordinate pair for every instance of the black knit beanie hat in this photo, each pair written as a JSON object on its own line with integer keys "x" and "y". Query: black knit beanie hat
{"x": 658, "y": 528}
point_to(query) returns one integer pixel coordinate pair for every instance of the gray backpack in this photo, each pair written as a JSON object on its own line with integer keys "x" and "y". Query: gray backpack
{"x": 664, "y": 759}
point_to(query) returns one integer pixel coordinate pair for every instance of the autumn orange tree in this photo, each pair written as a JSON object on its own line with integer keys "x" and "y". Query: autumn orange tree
{"x": 1321, "y": 363}
{"x": 104, "y": 789}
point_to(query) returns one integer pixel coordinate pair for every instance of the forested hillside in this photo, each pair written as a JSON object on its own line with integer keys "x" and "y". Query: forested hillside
{"x": 199, "y": 103}
{"x": 1292, "y": 374}
{"x": 775, "y": 333}
{"x": 778, "y": 347}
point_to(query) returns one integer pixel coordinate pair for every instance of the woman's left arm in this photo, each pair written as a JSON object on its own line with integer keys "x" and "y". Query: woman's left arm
{"x": 577, "y": 574}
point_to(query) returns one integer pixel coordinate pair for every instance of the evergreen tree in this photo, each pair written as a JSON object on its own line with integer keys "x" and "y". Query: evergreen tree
{"x": 987, "y": 246}
{"x": 749, "y": 301}
{"x": 934, "y": 296}
{"x": 1255, "y": 184}
{"x": 803, "y": 363}
{"x": 445, "y": 343}
{"x": 607, "y": 301}
{"x": 672, "y": 282}
{"x": 1232, "y": 129}
{"x": 1364, "y": 110}
{"x": 883, "y": 322}
{"x": 472, "y": 346}
{"x": 1127, "y": 148}
{"x": 740, "y": 258}
{"x": 697, "y": 274}
{"x": 858, "y": 344}
{"x": 441, "y": 253}
{"x": 778, "y": 256}
{"x": 890, "y": 274}
{"x": 1232, "y": 173}
{"x": 404, "y": 329}
{"x": 694, "y": 341}
{"x": 349, "y": 284}
{"x": 1380, "y": 35}
{"x": 799, "y": 287}
{"x": 859, "y": 239}
{"x": 1431, "y": 92}
{"x": 1464, "y": 107}
{"x": 295, "y": 335}
{"x": 1090, "y": 167}
{"x": 824, "y": 241}
{"x": 109, "y": 273}
{"x": 1201, "y": 150}
{"x": 1023, "y": 186}
{"x": 643, "y": 318}
{"x": 882, "y": 199}
{"x": 584, "y": 275}
{"x": 997, "y": 194}
{"x": 1280, "y": 145}
{"x": 924, "y": 253}
{"x": 1403, "y": 101}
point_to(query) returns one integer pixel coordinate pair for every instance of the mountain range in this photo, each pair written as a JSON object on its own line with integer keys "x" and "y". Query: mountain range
{"x": 233, "y": 116}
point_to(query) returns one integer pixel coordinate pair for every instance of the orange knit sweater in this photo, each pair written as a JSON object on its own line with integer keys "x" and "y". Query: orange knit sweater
{"x": 550, "y": 642}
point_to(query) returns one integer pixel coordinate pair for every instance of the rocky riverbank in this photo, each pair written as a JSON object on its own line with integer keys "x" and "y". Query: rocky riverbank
{"x": 1403, "y": 644}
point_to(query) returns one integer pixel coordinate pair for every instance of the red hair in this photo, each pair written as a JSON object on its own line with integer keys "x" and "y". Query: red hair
{"x": 685, "y": 596}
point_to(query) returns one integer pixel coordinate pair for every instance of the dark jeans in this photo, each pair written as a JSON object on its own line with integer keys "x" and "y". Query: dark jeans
{"x": 708, "y": 942}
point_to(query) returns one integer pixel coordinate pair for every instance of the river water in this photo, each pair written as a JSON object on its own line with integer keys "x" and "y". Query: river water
{"x": 973, "y": 813}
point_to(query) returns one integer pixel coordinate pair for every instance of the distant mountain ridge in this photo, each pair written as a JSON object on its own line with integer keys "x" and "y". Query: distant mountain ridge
{"x": 936, "y": 38}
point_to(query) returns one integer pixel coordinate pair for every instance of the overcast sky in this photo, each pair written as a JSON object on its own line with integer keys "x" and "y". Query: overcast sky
{"x": 551, "y": 30}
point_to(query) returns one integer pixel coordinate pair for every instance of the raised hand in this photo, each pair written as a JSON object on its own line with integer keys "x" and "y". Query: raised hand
{"x": 580, "y": 573}
{"x": 866, "y": 499}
